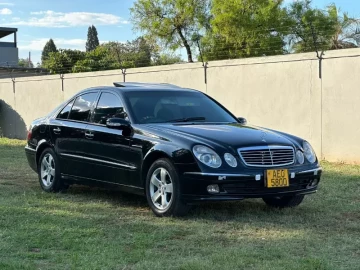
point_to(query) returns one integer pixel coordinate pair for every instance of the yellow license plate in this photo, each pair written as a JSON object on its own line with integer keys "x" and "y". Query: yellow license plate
{"x": 277, "y": 178}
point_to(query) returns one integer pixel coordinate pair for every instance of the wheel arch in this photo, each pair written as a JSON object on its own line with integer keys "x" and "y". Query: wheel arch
{"x": 40, "y": 149}
{"x": 149, "y": 159}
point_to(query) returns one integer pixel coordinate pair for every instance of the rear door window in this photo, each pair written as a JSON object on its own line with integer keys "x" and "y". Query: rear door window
{"x": 82, "y": 107}
{"x": 109, "y": 106}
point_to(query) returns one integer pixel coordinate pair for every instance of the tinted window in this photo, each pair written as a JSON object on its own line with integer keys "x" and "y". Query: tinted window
{"x": 109, "y": 106}
{"x": 165, "y": 106}
{"x": 64, "y": 114}
{"x": 82, "y": 107}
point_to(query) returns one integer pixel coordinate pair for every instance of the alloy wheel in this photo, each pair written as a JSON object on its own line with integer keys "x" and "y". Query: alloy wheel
{"x": 161, "y": 189}
{"x": 47, "y": 170}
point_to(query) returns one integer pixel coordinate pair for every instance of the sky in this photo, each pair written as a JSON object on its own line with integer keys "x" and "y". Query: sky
{"x": 67, "y": 21}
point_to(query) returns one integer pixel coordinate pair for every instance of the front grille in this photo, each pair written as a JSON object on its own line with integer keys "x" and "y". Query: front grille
{"x": 267, "y": 156}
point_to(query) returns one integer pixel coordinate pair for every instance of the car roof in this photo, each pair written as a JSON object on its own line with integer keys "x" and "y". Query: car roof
{"x": 134, "y": 86}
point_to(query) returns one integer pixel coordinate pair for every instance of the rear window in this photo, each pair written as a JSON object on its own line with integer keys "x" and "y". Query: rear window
{"x": 64, "y": 114}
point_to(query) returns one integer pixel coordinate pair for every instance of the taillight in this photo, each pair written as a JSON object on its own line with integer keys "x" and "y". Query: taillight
{"x": 29, "y": 134}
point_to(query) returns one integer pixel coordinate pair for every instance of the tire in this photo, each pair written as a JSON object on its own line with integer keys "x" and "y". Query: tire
{"x": 162, "y": 187}
{"x": 49, "y": 172}
{"x": 284, "y": 202}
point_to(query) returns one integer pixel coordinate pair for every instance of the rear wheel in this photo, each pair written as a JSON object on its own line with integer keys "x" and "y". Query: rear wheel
{"x": 163, "y": 190}
{"x": 49, "y": 172}
{"x": 284, "y": 202}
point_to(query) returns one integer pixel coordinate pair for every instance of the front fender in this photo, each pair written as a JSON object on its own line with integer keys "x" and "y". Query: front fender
{"x": 182, "y": 159}
{"x": 175, "y": 153}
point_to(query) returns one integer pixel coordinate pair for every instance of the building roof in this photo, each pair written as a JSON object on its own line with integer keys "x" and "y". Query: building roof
{"x": 5, "y": 31}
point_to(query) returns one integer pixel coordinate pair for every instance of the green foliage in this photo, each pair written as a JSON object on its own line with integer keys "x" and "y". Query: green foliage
{"x": 24, "y": 62}
{"x": 172, "y": 22}
{"x": 95, "y": 60}
{"x": 108, "y": 56}
{"x": 312, "y": 29}
{"x": 166, "y": 59}
{"x": 347, "y": 29}
{"x": 49, "y": 47}
{"x": 245, "y": 28}
{"x": 92, "y": 39}
{"x": 62, "y": 61}
{"x": 90, "y": 228}
{"x": 317, "y": 30}
{"x": 144, "y": 50}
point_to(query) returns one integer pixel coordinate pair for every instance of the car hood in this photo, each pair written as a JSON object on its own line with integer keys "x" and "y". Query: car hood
{"x": 227, "y": 135}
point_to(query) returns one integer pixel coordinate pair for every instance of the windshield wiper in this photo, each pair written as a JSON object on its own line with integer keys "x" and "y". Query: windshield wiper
{"x": 189, "y": 119}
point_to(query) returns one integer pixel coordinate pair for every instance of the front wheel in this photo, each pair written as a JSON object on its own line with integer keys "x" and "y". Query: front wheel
{"x": 284, "y": 202}
{"x": 163, "y": 190}
{"x": 49, "y": 172}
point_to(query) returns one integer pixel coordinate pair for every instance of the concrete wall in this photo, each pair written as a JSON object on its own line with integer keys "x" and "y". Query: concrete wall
{"x": 280, "y": 92}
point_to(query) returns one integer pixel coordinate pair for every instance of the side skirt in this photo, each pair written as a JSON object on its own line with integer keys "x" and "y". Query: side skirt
{"x": 69, "y": 179}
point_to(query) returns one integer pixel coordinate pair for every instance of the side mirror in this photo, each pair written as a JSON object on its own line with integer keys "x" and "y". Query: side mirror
{"x": 118, "y": 123}
{"x": 242, "y": 120}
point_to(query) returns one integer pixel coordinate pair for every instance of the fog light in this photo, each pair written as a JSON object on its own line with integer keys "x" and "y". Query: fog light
{"x": 314, "y": 182}
{"x": 213, "y": 189}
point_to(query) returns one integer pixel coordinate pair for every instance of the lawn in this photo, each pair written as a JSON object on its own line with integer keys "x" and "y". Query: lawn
{"x": 89, "y": 228}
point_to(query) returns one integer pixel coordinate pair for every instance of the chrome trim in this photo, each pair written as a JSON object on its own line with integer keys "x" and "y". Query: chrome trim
{"x": 266, "y": 148}
{"x": 218, "y": 174}
{"x": 99, "y": 160}
{"x": 30, "y": 149}
{"x": 311, "y": 171}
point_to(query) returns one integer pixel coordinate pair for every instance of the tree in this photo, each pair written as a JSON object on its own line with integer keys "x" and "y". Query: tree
{"x": 92, "y": 39}
{"x": 166, "y": 59}
{"x": 311, "y": 29}
{"x": 245, "y": 28}
{"x": 172, "y": 22}
{"x": 136, "y": 53}
{"x": 347, "y": 30}
{"x": 49, "y": 47}
{"x": 144, "y": 51}
{"x": 95, "y": 60}
{"x": 121, "y": 54}
{"x": 63, "y": 61}
{"x": 25, "y": 63}
{"x": 318, "y": 30}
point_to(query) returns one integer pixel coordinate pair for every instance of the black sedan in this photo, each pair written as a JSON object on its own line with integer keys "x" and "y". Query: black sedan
{"x": 176, "y": 146}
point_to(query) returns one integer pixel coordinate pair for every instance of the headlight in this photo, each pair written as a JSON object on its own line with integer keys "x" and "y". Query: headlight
{"x": 207, "y": 156}
{"x": 309, "y": 152}
{"x": 230, "y": 159}
{"x": 300, "y": 157}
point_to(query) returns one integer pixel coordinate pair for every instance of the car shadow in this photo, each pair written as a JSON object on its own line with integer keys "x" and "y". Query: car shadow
{"x": 214, "y": 211}
{"x": 114, "y": 197}
{"x": 314, "y": 206}
{"x": 12, "y": 125}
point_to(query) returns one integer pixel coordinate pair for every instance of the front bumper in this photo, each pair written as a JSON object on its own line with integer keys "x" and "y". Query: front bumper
{"x": 242, "y": 186}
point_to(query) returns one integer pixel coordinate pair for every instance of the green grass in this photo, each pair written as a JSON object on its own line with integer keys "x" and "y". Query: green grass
{"x": 88, "y": 228}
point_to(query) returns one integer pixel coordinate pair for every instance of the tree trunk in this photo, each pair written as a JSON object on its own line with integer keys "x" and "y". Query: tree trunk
{"x": 186, "y": 45}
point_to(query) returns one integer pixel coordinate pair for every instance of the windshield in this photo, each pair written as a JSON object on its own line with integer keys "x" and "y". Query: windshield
{"x": 174, "y": 106}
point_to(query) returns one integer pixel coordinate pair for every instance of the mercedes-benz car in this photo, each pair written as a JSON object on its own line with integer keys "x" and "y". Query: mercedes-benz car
{"x": 176, "y": 146}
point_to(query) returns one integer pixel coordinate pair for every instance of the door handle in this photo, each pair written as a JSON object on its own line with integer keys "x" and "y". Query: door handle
{"x": 57, "y": 130}
{"x": 89, "y": 135}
